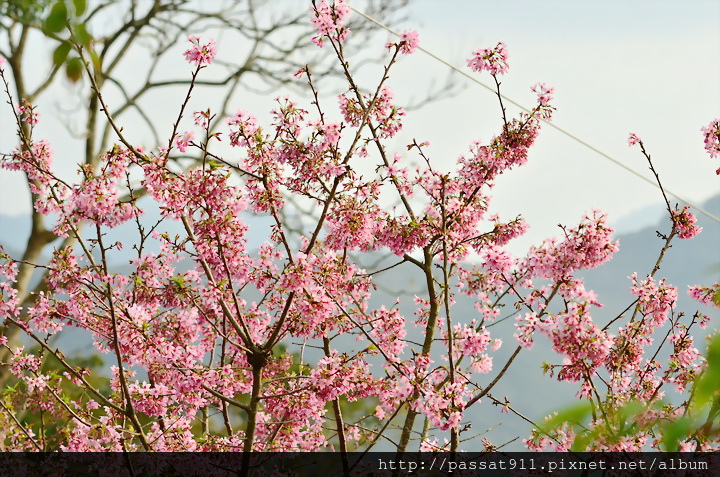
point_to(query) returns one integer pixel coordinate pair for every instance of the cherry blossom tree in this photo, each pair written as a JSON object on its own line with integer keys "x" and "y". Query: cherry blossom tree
{"x": 116, "y": 35}
{"x": 216, "y": 348}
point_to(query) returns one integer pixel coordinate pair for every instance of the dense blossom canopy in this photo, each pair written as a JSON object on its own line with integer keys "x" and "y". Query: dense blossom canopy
{"x": 205, "y": 330}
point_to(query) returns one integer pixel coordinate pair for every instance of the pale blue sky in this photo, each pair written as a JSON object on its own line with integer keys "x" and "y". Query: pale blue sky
{"x": 650, "y": 67}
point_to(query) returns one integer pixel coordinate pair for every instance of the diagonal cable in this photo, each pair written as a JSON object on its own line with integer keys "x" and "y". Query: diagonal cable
{"x": 552, "y": 125}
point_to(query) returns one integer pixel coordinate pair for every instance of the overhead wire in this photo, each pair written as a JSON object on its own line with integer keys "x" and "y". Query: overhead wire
{"x": 550, "y": 124}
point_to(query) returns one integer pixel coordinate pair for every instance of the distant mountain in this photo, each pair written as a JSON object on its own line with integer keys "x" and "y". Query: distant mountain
{"x": 688, "y": 262}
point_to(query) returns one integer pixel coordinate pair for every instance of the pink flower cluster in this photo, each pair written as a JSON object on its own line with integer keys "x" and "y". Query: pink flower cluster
{"x": 97, "y": 199}
{"x": 684, "y": 223}
{"x": 330, "y": 20}
{"x": 473, "y": 341}
{"x": 247, "y": 128}
{"x": 409, "y": 42}
{"x": 655, "y": 300}
{"x": 35, "y": 162}
{"x": 387, "y": 118}
{"x": 633, "y": 139}
{"x": 353, "y": 225}
{"x": 388, "y": 333}
{"x": 711, "y": 133}
{"x": 684, "y": 361}
{"x": 182, "y": 142}
{"x": 493, "y": 60}
{"x": 585, "y": 247}
{"x": 706, "y": 295}
{"x": 544, "y": 93}
{"x": 9, "y": 306}
{"x": 200, "y": 54}
{"x": 27, "y": 113}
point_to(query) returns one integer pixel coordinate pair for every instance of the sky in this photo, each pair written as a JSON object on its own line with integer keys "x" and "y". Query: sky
{"x": 644, "y": 66}
{"x": 649, "y": 67}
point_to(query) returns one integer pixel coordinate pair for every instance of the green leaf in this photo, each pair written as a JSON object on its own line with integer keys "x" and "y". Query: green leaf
{"x": 707, "y": 385}
{"x": 629, "y": 411}
{"x": 675, "y": 432}
{"x": 61, "y": 53}
{"x": 73, "y": 69}
{"x": 81, "y": 34}
{"x": 28, "y": 11}
{"x": 96, "y": 60}
{"x": 56, "y": 20}
{"x": 581, "y": 442}
{"x": 80, "y": 6}
{"x": 572, "y": 415}
{"x": 546, "y": 367}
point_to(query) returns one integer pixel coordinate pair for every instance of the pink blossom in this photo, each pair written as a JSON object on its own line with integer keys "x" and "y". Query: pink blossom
{"x": 483, "y": 365}
{"x": 246, "y": 128}
{"x": 8, "y": 269}
{"x": 654, "y": 299}
{"x": 471, "y": 342}
{"x": 409, "y": 42}
{"x": 428, "y": 445}
{"x": 98, "y": 198}
{"x": 685, "y": 360}
{"x": 329, "y": 21}
{"x": 633, "y": 139}
{"x": 584, "y": 247}
{"x": 331, "y": 132}
{"x": 36, "y": 163}
{"x": 202, "y": 119}
{"x": 684, "y": 223}
{"x": 544, "y": 93}
{"x": 182, "y": 142}
{"x": 494, "y": 60}
{"x": 2, "y": 62}
{"x": 526, "y": 326}
{"x": 200, "y": 54}
{"x": 687, "y": 446}
{"x": 9, "y": 300}
{"x": 27, "y": 113}
{"x": 388, "y": 118}
{"x": 711, "y": 132}
{"x": 706, "y": 295}
{"x": 38, "y": 383}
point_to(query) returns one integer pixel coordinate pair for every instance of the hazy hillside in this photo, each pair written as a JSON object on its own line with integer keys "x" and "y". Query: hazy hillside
{"x": 696, "y": 261}
{"x": 535, "y": 395}
{"x": 688, "y": 262}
